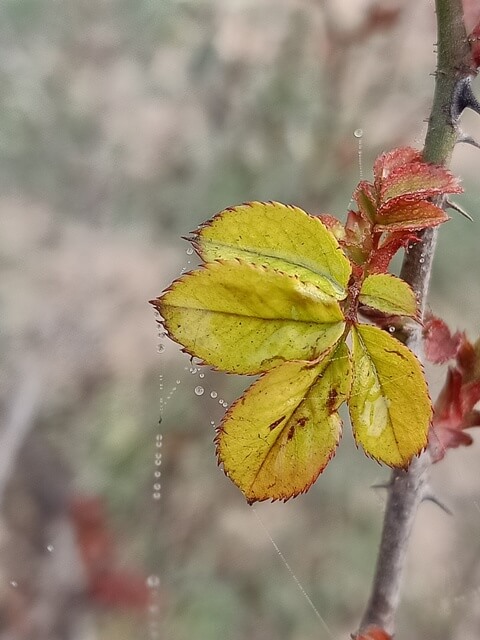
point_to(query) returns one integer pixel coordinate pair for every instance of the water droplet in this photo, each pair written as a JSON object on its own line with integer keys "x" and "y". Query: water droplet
{"x": 212, "y": 422}
{"x": 157, "y": 486}
{"x": 157, "y": 496}
{"x": 193, "y": 370}
{"x": 224, "y": 404}
{"x": 50, "y": 548}
{"x": 391, "y": 329}
{"x": 199, "y": 391}
{"x": 14, "y": 584}
{"x": 160, "y": 348}
{"x": 153, "y": 581}
{"x": 189, "y": 251}
{"x": 422, "y": 260}
{"x": 213, "y": 394}
{"x": 158, "y": 444}
{"x": 159, "y": 436}
{"x": 358, "y": 133}
{"x": 157, "y": 474}
{"x": 158, "y": 462}
{"x": 201, "y": 375}
{"x": 177, "y": 381}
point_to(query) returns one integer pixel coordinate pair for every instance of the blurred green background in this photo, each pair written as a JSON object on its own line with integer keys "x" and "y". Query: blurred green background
{"x": 123, "y": 125}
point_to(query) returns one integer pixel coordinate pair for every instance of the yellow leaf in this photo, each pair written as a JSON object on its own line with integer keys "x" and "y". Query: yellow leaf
{"x": 244, "y": 318}
{"x": 283, "y": 237}
{"x": 277, "y": 438}
{"x": 389, "y": 294}
{"x": 390, "y": 408}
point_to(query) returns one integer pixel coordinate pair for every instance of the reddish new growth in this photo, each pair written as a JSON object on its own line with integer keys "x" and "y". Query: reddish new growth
{"x": 373, "y": 633}
{"x": 471, "y": 11}
{"x": 392, "y": 208}
{"x": 455, "y": 407}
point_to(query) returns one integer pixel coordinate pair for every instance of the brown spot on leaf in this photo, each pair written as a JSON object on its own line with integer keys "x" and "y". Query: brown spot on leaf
{"x": 276, "y": 423}
{"x": 301, "y": 422}
{"x": 291, "y": 433}
{"x": 331, "y": 400}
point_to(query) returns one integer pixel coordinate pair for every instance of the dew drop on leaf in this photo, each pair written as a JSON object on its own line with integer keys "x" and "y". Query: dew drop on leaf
{"x": 199, "y": 391}
{"x": 358, "y": 133}
{"x": 213, "y": 394}
{"x": 189, "y": 251}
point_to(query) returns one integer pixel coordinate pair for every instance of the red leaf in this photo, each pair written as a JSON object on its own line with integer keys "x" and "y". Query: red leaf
{"x": 474, "y": 39}
{"x": 439, "y": 344}
{"x": 471, "y": 17}
{"x": 333, "y": 224}
{"x": 471, "y": 14}
{"x": 442, "y": 438}
{"x": 381, "y": 257}
{"x": 454, "y": 412}
{"x": 468, "y": 360}
{"x": 408, "y": 213}
{"x": 454, "y": 409}
{"x": 389, "y": 161}
{"x": 373, "y": 633}
{"x": 418, "y": 179}
{"x": 364, "y": 196}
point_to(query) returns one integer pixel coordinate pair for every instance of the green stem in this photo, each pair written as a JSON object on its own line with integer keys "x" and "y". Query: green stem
{"x": 407, "y": 488}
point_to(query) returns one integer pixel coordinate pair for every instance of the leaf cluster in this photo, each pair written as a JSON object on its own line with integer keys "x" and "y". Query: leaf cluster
{"x": 280, "y": 293}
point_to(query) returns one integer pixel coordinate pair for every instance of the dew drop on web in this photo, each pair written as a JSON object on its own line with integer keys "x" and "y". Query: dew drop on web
{"x": 358, "y": 134}
{"x": 153, "y": 582}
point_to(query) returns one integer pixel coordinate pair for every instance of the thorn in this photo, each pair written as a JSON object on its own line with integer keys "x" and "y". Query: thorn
{"x": 457, "y": 207}
{"x": 463, "y": 137}
{"x": 463, "y": 98}
{"x": 432, "y": 498}
{"x": 386, "y": 485}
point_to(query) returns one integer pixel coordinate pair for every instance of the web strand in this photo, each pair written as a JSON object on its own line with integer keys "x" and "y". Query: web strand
{"x": 294, "y": 577}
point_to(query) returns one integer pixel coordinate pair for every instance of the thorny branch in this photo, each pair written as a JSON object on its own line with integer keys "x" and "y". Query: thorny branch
{"x": 408, "y": 488}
